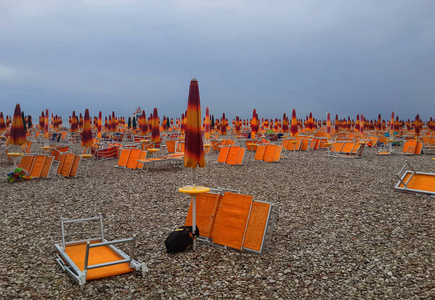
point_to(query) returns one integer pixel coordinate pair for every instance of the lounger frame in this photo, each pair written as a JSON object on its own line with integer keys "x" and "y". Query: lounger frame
{"x": 402, "y": 185}
{"x": 73, "y": 270}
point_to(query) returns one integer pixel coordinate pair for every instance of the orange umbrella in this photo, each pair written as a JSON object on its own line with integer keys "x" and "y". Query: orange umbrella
{"x": 328, "y": 125}
{"x": 294, "y": 125}
{"x": 81, "y": 121}
{"x": 18, "y": 135}
{"x": 207, "y": 123}
{"x": 143, "y": 123}
{"x": 194, "y": 150}
{"x": 254, "y": 122}
{"x": 417, "y": 125}
{"x": 42, "y": 121}
{"x": 3, "y": 125}
{"x": 379, "y": 123}
{"x": 392, "y": 124}
{"x": 361, "y": 125}
{"x": 100, "y": 120}
{"x": 46, "y": 124}
{"x": 223, "y": 125}
{"x": 237, "y": 124}
{"x": 74, "y": 124}
{"x": 155, "y": 133}
{"x": 87, "y": 133}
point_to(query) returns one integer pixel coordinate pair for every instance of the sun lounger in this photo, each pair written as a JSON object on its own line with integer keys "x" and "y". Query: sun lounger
{"x": 343, "y": 149}
{"x": 123, "y": 158}
{"x": 268, "y": 153}
{"x": 412, "y": 147}
{"x": 413, "y": 181}
{"x": 95, "y": 257}
{"x": 231, "y": 155}
{"x": 233, "y": 220}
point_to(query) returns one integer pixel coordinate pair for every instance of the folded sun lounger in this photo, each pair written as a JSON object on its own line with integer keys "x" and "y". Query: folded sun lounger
{"x": 95, "y": 258}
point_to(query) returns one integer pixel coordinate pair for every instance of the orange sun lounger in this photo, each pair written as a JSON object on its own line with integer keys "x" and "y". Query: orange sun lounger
{"x": 95, "y": 258}
{"x": 230, "y": 219}
{"x": 417, "y": 182}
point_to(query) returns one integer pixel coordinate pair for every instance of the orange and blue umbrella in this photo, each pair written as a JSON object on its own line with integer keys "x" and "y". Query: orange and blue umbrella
{"x": 193, "y": 150}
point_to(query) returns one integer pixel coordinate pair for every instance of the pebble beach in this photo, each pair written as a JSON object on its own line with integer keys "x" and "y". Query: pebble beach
{"x": 343, "y": 231}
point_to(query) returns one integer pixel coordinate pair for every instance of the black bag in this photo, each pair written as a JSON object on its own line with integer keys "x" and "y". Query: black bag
{"x": 180, "y": 239}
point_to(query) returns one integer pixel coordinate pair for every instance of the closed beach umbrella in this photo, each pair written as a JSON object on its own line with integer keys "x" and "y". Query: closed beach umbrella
{"x": 18, "y": 135}
{"x": 223, "y": 125}
{"x": 328, "y": 125}
{"x": 143, "y": 123}
{"x": 207, "y": 124}
{"x": 155, "y": 133}
{"x": 46, "y": 124}
{"x": 361, "y": 125}
{"x": 392, "y": 124}
{"x": 87, "y": 133}
{"x": 417, "y": 125}
{"x": 74, "y": 124}
{"x": 42, "y": 121}
{"x": 100, "y": 120}
{"x": 194, "y": 150}
{"x": 294, "y": 125}
{"x": 2, "y": 123}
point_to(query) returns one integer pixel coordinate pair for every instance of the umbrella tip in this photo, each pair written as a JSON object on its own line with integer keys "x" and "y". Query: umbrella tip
{"x": 194, "y": 79}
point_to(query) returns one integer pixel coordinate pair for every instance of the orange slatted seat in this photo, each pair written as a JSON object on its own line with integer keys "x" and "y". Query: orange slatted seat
{"x": 38, "y": 163}
{"x": 75, "y": 166}
{"x": 123, "y": 157}
{"x": 233, "y": 153}
{"x": 47, "y": 166}
{"x": 132, "y": 160}
{"x": 259, "y": 154}
{"x": 223, "y": 154}
{"x": 27, "y": 162}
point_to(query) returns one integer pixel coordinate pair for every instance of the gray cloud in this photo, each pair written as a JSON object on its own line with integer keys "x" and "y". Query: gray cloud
{"x": 342, "y": 57}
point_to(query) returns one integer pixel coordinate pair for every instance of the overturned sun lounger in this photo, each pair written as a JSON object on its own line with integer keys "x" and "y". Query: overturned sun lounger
{"x": 95, "y": 258}
{"x": 417, "y": 182}
{"x": 230, "y": 219}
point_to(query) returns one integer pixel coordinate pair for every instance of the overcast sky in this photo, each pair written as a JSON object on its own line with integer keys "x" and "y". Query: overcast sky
{"x": 344, "y": 57}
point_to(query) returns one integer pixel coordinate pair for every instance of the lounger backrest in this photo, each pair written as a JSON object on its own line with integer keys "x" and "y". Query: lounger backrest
{"x": 27, "y": 162}
{"x": 269, "y": 153}
{"x": 170, "y": 146}
{"x": 277, "y": 155}
{"x": 38, "y": 163}
{"x": 304, "y": 144}
{"x": 67, "y": 165}
{"x": 61, "y": 160}
{"x": 240, "y": 156}
{"x": 347, "y": 148}
{"x": 418, "y": 148}
{"x": 232, "y": 155}
{"x": 231, "y": 220}
{"x": 132, "y": 160}
{"x": 337, "y": 146}
{"x": 257, "y": 225}
{"x": 123, "y": 157}
{"x": 259, "y": 154}
{"x": 75, "y": 166}
{"x": 143, "y": 156}
{"x": 47, "y": 166}
{"x": 206, "y": 205}
{"x": 223, "y": 154}
{"x": 409, "y": 147}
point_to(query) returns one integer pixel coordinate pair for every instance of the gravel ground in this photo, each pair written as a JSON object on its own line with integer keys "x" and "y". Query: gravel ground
{"x": 343, "y": 231}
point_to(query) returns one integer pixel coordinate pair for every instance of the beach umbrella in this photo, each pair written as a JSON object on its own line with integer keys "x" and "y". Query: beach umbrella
{"x": 223, "y": 125}
{"x": 143, "y": 123}
{"x": 46, "y": 124}
{"x": 17, "y": 135}
{"x": 417, "y": 125}
{"x": 134, "y": 123}
{"x": 2, "y": 123}
{"x": 254, "y": 124}
{"x": 155, "y": 133}
{"x": 80, "y": 121}
{"x": 361, "y": 125}
{"x": 100, "y": 120}
{"x": 74, "y": 124}
{"x": 207, "y": 124}
{"x": 194, "y": 149}
{"x": 357, "y": 123}
{"x": 328, "y": 125}
{"x": 294, "y": 125}
{"x": 41, "y": 121}
{"x": 237, "y": 125}
{"x": 392, "y": 124}
{"x": 87, "y": 133}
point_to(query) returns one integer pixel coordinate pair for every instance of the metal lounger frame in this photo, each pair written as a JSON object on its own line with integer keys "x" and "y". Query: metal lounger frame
{"x": 71, "y": 268}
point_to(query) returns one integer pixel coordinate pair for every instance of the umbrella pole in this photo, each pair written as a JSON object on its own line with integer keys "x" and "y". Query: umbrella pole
{"x": 194, "y": 213}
